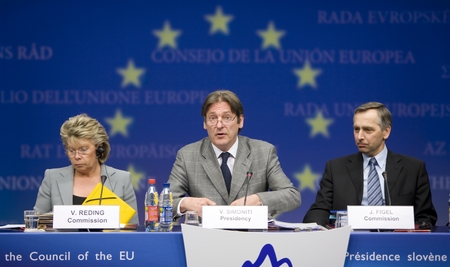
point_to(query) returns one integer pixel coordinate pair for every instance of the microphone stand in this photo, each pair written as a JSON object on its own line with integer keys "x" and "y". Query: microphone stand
{"x": 103, "y": 178}
{"x": 386, "y": 189}
{"x": 247, "y": 177}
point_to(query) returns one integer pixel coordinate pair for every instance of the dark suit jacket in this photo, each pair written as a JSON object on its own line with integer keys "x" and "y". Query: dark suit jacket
{"x": 342, "y": 184}
{"x": 196, "y": 172}
{"x": 57, "y": 188}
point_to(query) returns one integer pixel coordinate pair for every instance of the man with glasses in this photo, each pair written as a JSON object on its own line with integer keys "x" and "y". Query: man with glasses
{"x": 214, "y": 170}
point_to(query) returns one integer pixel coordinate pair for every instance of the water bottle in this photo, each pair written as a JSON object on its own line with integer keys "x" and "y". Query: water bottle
{"x": 165, "y": 209}
{"x": 151, "y": 207}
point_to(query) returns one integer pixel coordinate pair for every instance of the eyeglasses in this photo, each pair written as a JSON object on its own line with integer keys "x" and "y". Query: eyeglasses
{"x": 82, "y": 151}
{"x": 213, "y": 120}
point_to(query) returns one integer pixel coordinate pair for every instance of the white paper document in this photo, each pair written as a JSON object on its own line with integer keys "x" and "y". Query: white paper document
{"x": 12, "y": 226}
{"x": 300, "y": 226}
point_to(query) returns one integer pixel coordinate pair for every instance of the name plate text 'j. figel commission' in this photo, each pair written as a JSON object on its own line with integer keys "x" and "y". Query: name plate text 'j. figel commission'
{"x": 381, "y": 217}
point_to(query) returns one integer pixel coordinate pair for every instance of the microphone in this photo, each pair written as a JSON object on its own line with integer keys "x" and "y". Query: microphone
{"x": 103, "y": 178}
{"x": 386, "y": 188}
{"x": 248, "y": 176}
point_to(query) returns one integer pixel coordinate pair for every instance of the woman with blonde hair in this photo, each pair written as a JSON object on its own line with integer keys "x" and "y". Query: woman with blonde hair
{"x": 87, "y": 147}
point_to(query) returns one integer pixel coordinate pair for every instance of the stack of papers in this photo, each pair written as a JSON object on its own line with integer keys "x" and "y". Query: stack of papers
{"x": 12, "y": 226}
{"x": 297, "y": 226}
{"x": 45, "y": 220}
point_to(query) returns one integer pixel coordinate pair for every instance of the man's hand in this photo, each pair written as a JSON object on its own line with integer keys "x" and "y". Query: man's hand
{"x": 195, "y": 204}
{"x": 252, "y": 200}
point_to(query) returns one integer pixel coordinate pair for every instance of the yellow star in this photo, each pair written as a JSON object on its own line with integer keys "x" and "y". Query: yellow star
{"x": 271, "y": 36}
{"x": 307, "y": 178}
{"x": 319, "y": 125}
{"x": 307, "y": 75}
{"x": 167, "y": 36}
{"x": 131, "y": 74}
{"x": 219, "y": 21}
{"x": 119, "y": 123}
{"x": 136, "y": 177}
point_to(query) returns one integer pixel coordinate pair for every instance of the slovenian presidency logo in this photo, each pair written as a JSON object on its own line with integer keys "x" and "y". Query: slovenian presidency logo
{"x": 268, "y": 251}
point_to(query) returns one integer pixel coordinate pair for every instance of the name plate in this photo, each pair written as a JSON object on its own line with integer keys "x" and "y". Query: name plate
{"x": 235, "y": 217}
{"x": 86, "y": 216}
{"x": 381, "y": 217}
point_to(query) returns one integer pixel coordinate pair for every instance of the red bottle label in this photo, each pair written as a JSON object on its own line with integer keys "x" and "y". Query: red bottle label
{"x": 152, "y": 212}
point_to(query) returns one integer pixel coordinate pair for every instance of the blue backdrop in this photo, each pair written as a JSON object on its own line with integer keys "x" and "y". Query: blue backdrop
{"x": 143, "y": 69}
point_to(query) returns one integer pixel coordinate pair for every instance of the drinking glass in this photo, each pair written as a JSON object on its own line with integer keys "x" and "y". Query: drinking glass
{"x": 31, "y": 218}
{"x": 341, "y": 219}
{"x": 192, "y": 218}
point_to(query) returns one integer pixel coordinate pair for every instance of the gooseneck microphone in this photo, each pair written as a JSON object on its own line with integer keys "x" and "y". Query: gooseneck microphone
{"x": 248, "y": 176}
{"x": 386, "y": 189}
{"x": 103, "y": 178}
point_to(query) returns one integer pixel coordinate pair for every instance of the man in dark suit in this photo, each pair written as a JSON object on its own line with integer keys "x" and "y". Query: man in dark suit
{"x": 345, "y": 180}
{"x": 197, "y": 179}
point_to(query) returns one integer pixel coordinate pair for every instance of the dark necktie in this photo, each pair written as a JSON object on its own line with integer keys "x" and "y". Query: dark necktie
{"x": 225, "y": 170}
{"x": 374, "y": 197}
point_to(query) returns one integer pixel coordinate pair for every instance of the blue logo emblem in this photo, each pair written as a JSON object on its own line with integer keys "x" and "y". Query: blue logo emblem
{"x": 268, "y": 251}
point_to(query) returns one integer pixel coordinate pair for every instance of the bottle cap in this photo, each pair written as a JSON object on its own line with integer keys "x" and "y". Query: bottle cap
{"x": 151, "y": 181}
{"x": 166, "y": 184}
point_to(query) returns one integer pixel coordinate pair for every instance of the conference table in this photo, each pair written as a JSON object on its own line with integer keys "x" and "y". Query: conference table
{"x": 138, "y": 248}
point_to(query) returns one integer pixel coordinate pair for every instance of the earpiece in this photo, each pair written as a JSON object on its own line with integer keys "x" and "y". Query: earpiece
{"x": 100, "y": 151}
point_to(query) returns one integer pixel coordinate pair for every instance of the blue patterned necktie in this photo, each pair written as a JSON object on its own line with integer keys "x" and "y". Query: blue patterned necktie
{"x": 374, "y": 196}
{"x": 225, "y": 170}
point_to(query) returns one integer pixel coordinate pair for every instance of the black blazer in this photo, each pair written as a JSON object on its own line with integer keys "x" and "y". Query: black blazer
{"x": 342, "y": 184}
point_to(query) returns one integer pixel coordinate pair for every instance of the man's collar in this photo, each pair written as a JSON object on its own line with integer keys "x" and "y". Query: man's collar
{"x": 232, "y": 150}
{"x": 380, "y": 157}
